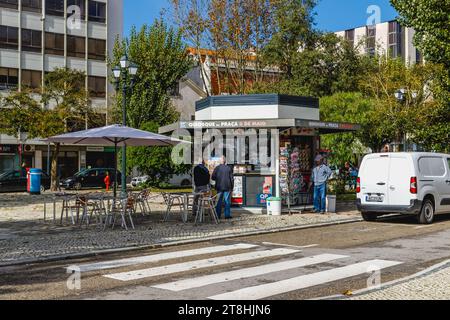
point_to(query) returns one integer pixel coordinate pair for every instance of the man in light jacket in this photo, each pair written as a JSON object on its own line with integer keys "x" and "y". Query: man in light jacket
{"x": 320, "y": 176}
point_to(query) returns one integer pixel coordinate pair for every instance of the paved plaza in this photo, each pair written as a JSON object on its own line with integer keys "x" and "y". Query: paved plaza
{"x": 25, "y": 236}
{"x": 432, "y": 285}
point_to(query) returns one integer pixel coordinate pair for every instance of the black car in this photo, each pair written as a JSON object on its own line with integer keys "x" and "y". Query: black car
{"x": 15, "y": 181}
{"x": 91, "y": 178}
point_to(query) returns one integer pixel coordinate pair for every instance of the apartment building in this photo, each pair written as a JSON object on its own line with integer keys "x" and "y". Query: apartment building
{"x": 384, "y": 38}
{"x": 37, "y": 36}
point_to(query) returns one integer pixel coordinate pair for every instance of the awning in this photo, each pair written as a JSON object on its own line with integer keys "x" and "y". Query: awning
{"x": 322, "y": 127}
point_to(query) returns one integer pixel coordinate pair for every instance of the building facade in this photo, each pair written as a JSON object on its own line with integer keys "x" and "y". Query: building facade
{"x": 387, "y": 38}
{"x": 37, "y": 36}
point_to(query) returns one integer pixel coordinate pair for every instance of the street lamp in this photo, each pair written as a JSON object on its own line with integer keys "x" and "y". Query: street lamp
{"x": 124, "y": 72}
{"x": 400, "y": 95}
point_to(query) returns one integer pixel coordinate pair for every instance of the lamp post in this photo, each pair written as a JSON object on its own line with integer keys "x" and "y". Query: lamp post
{"x": 123, "y": 73}
{"x": 401, "y": 96}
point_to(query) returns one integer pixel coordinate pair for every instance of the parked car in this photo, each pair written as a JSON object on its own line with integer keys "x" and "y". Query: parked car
{"x": 182, "y": 180}
{"x": 137, "y": 181}
{"x": 14, "y": 181}
{"x": 91, "y": 178}
{"x": 405, "y": 183}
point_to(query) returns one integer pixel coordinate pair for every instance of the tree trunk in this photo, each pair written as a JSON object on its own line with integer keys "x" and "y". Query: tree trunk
{"x": 54, "y": 170}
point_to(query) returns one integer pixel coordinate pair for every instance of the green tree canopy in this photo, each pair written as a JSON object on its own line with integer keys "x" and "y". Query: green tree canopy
{"x": 431, "y": 21}
{"x": 163, "y": 60}
{"x": 21, "y": 114}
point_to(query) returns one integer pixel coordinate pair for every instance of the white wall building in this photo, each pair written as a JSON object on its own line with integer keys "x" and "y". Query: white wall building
{"x": 37, "y": 36}
{"x": 385, "y": 38}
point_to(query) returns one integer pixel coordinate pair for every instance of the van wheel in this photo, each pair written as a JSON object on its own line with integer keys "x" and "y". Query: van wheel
{"x": 426, "y": 215}
{"x": 369, "y": 217}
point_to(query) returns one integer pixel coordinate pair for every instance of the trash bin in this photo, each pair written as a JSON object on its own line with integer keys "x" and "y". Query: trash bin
{"x": 35, "y": 179}
{"x": 274, "y": 206}
{"x": 331, "y": 204}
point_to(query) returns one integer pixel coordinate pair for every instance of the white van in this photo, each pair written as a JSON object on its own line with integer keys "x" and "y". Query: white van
{"x": 406, "y": 183}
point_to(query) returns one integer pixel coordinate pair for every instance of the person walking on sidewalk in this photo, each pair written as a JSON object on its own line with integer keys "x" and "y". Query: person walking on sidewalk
{"x": 320, "y": 176}
{"x": 223, "y": 176}
{"x": 202, "y": 181}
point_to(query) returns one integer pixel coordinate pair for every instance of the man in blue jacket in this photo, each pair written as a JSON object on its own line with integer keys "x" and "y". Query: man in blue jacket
{"x": 320, "y": 176}
{"x": 223, "y": 176}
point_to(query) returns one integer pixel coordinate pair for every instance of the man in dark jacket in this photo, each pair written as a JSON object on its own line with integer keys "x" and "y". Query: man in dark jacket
{"x": 202, "y": 181}
{"x": 223, "y": 176}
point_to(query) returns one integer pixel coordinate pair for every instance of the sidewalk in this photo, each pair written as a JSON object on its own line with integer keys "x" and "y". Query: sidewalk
{"x": 432, "y": 284}
{"x": 26, "y": 238}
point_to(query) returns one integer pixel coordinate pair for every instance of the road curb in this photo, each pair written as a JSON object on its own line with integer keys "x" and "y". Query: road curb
{"x": 429, "y": 271}
{"x": 172, "y": 244}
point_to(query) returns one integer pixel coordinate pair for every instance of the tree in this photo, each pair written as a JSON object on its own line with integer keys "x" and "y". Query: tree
{"x": 191, "y": 17}
{"x": 350, "y": 107}
{"x": 431, "y": 21}
{"x": 293, "y": 31}
{"x": 327, "y": 66}
{"x": 68, "y": 108}
{"x": 423, "y": 107}
{"x": 20, "y": 114}
{"x": 163, "y": 60}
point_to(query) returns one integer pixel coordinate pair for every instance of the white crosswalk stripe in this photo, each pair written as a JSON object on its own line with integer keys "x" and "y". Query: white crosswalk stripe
{"x": 247, "y": 272}
{"x": 305, "y": 281}
{"x": 199, "y": 264}
{"x": 161, "y": 257}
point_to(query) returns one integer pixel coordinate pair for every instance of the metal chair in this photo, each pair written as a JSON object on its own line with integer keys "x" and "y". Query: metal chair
{"x": 172, "y": 200}
{"x": 207, "y": 204}
{"x": 126, "y": 209}
{"x": 142, "y": 202}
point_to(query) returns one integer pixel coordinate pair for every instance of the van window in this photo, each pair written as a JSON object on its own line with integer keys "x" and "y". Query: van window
{"x": 432, "y": 167}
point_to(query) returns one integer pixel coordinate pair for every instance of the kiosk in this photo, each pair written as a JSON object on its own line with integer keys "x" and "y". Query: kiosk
{"x": 285, "y": 132}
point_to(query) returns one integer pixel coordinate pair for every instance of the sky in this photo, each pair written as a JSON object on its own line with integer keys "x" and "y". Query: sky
{"x": 332, "y": 15}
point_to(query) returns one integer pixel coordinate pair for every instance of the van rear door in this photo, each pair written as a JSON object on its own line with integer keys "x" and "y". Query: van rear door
{"x": 374, "y": 180}
{"x": 401, "y": 170}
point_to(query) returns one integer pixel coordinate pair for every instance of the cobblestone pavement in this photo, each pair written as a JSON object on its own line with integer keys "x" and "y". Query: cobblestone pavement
{"x": 25, "y": 236}
{"x": 432, "y": 286}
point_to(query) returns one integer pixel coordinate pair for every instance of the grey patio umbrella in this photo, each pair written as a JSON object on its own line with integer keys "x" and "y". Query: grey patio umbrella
{"x": 117, "y": 136}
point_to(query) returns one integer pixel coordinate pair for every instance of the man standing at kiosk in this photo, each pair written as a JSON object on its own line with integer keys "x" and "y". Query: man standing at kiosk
{"x": 223, "y": 176}
{"x": 320, "y": 176}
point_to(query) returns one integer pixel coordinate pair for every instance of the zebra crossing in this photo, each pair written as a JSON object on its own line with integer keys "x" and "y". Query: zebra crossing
{"x": 265, "y": 265}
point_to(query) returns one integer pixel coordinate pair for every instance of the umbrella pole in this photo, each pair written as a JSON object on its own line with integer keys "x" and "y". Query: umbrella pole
{"x": 115, "y": 169}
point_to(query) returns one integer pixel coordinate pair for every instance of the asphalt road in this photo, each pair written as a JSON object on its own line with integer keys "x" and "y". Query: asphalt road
{"x": 304, "y": 264}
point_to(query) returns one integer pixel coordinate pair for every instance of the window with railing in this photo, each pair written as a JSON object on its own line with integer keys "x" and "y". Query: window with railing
{"x": 395, "y": 39}
{"x": 9, "y": 37}
{"x": 54, "y": 43}
{"x": 32, "y": 5}
{"x": 54, "y": 7}
{"x": 97, "y": 86}
{"x": 350, "y": 36}
{"x": 97, "y": 11}
{"x": 11, "y": 4}
{"x": 9, "y": 78}
{"x": 371, "y": 34}
{"x": 76, "y": 47}
{"x": 97, "y": 49}
{"x": 31, "y": 40}
{"x": 31, "y": 79}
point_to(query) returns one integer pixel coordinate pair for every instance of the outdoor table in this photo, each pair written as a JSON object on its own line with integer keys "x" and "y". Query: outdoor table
{"x": 66, "y": 197}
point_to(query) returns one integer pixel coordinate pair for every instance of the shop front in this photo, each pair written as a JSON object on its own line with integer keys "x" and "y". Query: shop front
{"x": 8, "y": 158}
{"x": 270, "y": 140}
